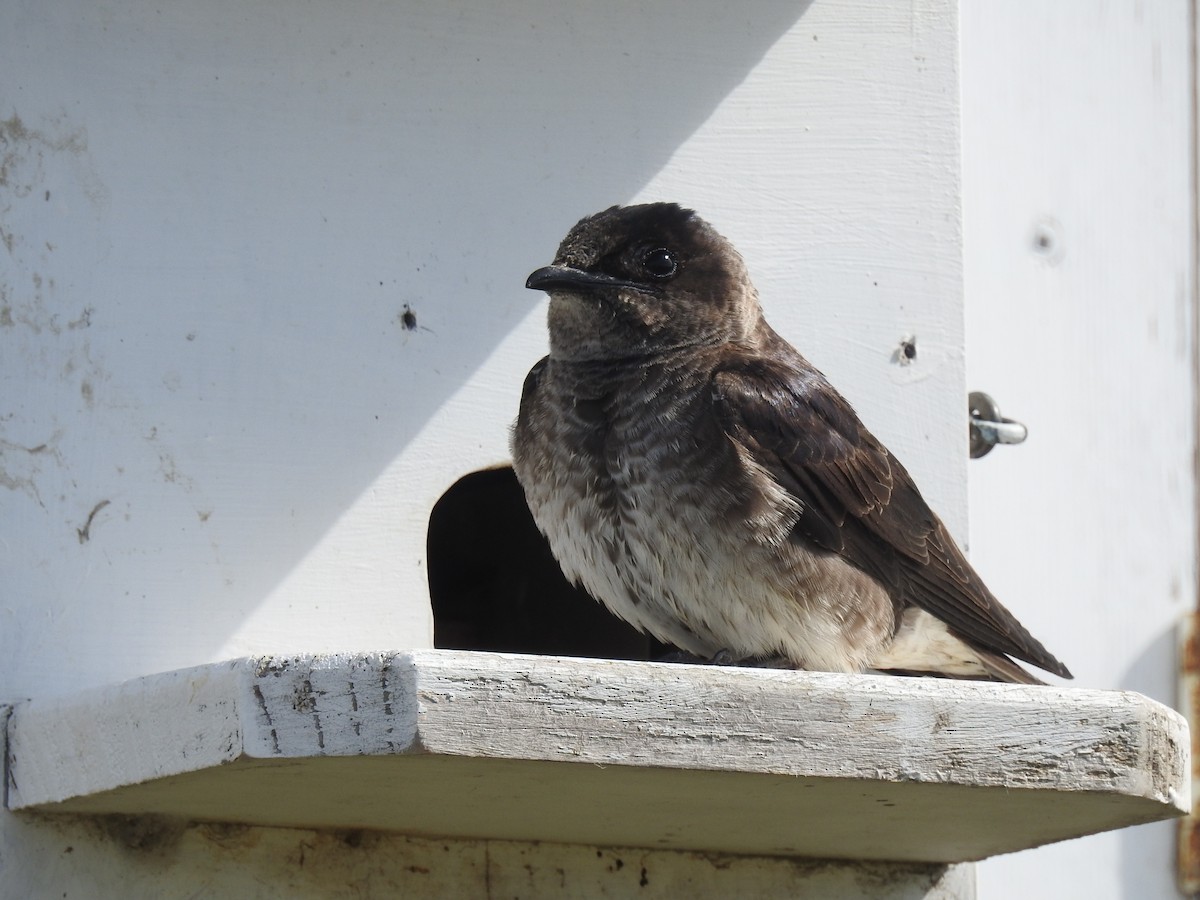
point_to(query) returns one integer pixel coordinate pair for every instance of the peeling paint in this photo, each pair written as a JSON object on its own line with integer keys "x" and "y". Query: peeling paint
{"x": 49, "y": 316}
{"x": 21, "y": 465}
{"x": 19, "y": 144}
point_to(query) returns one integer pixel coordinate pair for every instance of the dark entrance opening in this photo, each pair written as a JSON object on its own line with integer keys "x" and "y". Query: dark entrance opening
{"x": 494, "y": 584}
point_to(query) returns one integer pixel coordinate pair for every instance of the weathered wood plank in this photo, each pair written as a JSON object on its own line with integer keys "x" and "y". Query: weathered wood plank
{"x": 153, "y": 858}
{"x": 603, "y": 752}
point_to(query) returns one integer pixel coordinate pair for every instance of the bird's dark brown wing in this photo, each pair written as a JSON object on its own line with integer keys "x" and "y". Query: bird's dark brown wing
{"x": 857, "y": 500}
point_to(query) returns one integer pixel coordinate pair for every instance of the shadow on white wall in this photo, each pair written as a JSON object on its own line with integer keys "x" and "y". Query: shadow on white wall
{"x": 251, "y": 249}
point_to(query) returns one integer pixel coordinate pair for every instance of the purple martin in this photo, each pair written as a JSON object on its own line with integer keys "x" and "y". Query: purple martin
{"x": 698, "y": 476}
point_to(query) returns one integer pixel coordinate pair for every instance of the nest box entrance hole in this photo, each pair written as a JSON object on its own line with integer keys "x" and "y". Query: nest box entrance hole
{"x": 495, "y": 585}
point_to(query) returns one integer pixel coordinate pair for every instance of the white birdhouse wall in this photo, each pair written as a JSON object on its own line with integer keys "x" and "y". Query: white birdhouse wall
{"x": 263, "y": 288}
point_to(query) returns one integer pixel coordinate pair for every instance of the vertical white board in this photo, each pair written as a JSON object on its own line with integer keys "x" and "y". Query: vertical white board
{"x": 1080, "y": 286}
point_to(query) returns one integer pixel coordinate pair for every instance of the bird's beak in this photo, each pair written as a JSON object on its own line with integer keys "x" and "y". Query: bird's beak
{"x": 550, "y": 278}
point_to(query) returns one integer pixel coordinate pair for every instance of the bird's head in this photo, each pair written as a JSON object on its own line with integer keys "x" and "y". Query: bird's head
{"x": 636, "y": 281}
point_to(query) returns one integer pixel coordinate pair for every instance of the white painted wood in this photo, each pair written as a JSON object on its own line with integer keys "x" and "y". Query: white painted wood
{"x": 219, "y": 439}
{"x": 171, "y": 861}
{"x": 1077, "y": 127}
{"x": 217, "y": 436}
{"x": 159, "y": 858}
{"x": 759, "y": 762}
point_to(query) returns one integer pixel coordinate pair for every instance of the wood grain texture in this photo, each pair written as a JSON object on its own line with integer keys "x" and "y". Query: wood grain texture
{"x": 485, "y": 745}
{"x": 158, "y": 858}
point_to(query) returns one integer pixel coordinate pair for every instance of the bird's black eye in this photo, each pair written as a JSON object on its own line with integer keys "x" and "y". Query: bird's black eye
{"x": 660, "y": 263}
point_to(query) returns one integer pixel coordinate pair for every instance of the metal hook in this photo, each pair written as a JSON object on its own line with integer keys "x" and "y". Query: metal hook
{"x": 989, "y": 428}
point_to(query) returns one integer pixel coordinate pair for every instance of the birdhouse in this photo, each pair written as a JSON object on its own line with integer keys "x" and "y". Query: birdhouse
{"x": 277, "y": 618}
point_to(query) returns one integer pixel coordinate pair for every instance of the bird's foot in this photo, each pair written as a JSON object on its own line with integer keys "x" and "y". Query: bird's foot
{"x": 726, "y": 657}
{"x": 682, "y": 656}
{"x": 720, "y": 658}
{"x": 769, "y": 662}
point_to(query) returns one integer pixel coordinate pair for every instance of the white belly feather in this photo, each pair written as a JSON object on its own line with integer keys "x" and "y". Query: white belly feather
{"x": 660, "y": 562}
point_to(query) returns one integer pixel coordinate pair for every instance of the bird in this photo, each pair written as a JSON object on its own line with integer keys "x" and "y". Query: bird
{"x": 693, "y": 472}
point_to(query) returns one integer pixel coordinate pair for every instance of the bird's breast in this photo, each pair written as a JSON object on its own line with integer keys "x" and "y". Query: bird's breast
{"x": 648, "y": 504}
